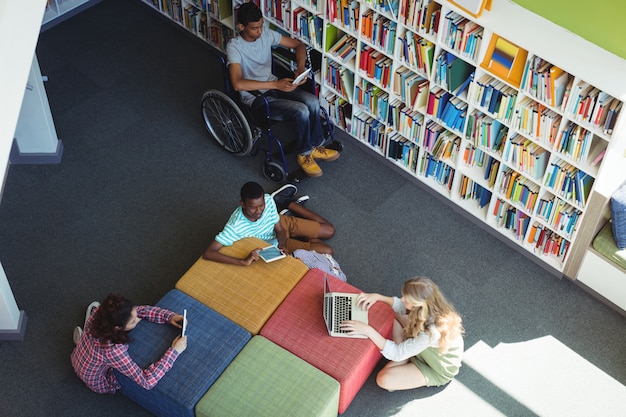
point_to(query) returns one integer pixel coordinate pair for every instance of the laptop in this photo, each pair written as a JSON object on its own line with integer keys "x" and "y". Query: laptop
{"x": 338, "y": 307}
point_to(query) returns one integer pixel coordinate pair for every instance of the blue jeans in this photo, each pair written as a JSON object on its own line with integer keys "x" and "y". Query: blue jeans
{"x": 302, "y": 110}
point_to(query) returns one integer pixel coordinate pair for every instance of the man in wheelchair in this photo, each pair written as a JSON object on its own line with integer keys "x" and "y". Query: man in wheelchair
{"x": 249, "y": 61}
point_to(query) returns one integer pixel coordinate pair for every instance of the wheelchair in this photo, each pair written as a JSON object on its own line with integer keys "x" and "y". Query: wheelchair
{"x": 235, "y": 128}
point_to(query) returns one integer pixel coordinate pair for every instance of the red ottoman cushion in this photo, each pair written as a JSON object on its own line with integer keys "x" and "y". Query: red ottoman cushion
{"x": 298, "y": 326}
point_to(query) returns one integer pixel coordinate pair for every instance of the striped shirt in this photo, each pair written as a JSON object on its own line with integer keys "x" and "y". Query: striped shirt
{"x": 94, "y": 360}
{"x": 239, "y": 226}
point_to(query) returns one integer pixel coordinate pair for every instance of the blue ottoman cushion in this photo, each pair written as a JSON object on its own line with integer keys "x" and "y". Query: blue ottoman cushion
{"x": 213, "y": 341}
{"x": 618, "y": 216}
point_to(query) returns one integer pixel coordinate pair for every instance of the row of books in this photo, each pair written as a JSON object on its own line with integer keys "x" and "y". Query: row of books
{"x": 341, "y": 79}
{"x": 219, "y": 35}
{"x": 511, "y": 218}
{"x": 446, "y": 146}
{"x": 440, "y": 171}
{"x": 574, "y": 141}
{"x": 486, "y": 132}
{"x": 195, "y": 20}
{"x": 218, "y": 9}
{"x": 403, "y": 151}
{"x": 405, "y": 121}
{"x": 307, "y": 26}
{"x": 569, "y": 182}
{"x": 447, "y": 108}
{"x": 538, "y": 121}
{"x": 524, "y": 155}
{"x": 373, "y": 99}
{"x": 547, "y": 242}
{"x": 590, "y": 105}
{"x": 376, "y": 65}
{"x": 491, "y": 170}
{"x": 389, "y": 7}
{"x": 471, "y": 190}
{"x": 344, "y": 12}
{"x": 339, "y": 110}
{"x": 462, "y": 35}
{"x": 379, "y": 31}
{"x": 495, "y": 96}
{"x": 344, "y": 49}
{"x": 173, "y": 8}
{"x": 369, "y": 130}
{"x": 519, "y": 189}
{"x": 411, "y": 87}
{"x": 562, "y": 217}
{"x": 453, "y": 73}
{"x": 418, "y": 53}
{"x": 422, "y": 15}
{"x": 280, "y": 11}
{"x": 473, "y": 156}
{"x": 545, "y": 82}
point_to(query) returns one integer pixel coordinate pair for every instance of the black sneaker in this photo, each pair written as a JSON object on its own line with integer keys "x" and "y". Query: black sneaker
{"x": 300, "y": 200}
{"x": 284, "y": 196}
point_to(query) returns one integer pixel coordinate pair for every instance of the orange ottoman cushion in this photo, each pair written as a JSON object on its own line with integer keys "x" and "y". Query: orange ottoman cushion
{"x": 247, "y": 295}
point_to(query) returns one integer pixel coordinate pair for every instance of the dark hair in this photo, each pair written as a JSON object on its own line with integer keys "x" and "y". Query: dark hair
{"x": 248, "y": 12}
{"x": 251, "y": 191}
{"x": 111, "y": 318}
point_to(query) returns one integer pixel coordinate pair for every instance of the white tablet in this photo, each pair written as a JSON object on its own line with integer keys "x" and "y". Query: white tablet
{"x": 302, "y": 76}
{"x": 271, "y": 253}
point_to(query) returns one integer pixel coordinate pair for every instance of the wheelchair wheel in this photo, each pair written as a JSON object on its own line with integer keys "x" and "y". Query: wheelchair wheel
{"x": 226, "y": 123}
{"x": 274, "y": 171}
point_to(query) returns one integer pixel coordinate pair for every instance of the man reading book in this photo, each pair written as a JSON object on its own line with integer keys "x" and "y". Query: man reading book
{"x": 249, "y": 60}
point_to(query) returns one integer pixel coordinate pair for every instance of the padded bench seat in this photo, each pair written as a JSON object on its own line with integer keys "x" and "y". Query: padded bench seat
{"x": 247, "y": 295}
{"x": 298, "y": 326}
{"x": 605, "y": 244}
{"x": 265, "y": 380}
{"x": 212, "y": 343}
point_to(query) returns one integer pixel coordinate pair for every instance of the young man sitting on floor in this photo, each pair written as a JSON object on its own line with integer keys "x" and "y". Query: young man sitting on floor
{"x": 249, "y": 60}
{"x": 257, "y": 216}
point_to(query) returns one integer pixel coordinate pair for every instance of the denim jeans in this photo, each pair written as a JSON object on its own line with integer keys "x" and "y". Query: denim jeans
{"x": 302, "y": 110}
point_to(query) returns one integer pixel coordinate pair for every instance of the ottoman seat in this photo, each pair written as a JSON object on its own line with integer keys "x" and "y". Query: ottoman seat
{"x": 247, "y": 295}
{"x": 265, "y": 380}
{"x": 213, "y": 342}
{"x": 298, "y": 326}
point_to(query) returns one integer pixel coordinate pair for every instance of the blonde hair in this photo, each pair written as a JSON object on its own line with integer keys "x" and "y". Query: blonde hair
{"x": 429, "y": 306}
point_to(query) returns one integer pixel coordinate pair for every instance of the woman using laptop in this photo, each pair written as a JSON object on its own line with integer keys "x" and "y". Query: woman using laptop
{"x": 103, "y": 345}
{"x": 427, "y": 344}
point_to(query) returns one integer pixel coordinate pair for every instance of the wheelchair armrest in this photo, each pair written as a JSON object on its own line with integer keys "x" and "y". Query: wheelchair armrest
{"x": 266, "y": 103}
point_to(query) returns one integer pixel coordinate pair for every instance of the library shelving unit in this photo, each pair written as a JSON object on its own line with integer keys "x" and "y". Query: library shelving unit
{"x": 56, "y": 10}
{"x": 507, "y": 115}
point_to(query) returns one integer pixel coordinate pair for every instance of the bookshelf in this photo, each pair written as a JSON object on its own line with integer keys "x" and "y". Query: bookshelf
{"x": 500, "y": 118}
{"x": 57, "y": 10}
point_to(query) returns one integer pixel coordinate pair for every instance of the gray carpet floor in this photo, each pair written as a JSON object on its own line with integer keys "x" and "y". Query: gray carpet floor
{"x": 142, "y": 190}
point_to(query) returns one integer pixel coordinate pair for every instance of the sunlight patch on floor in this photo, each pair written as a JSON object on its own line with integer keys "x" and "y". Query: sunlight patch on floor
{"x": 548, "y": 378}
{"x": 456, "y": 400}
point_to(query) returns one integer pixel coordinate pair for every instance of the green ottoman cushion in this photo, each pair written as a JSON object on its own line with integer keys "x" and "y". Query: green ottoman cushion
{"x": 266, "y": 380}
{"x": 605, "y": 244}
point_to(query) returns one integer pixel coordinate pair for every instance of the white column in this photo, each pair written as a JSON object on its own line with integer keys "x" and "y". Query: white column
{"x": 12, "y": 320}
{"x": 35, "y": 134}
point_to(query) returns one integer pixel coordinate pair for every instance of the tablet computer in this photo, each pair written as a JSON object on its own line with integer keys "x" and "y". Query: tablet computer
{"x": 184, "y": 323}
{"x": 302, "y": 76}
{"x": 271, "y": 254}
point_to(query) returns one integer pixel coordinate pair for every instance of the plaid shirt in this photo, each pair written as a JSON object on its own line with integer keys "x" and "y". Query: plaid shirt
{"x": 94, "y": 360}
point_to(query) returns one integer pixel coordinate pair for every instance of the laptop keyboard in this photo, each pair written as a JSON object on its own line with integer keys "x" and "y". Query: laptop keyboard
{"x": 343, "y": 311}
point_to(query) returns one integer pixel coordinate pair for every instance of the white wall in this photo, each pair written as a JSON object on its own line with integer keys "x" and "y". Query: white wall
{"x": 20, "y": 22}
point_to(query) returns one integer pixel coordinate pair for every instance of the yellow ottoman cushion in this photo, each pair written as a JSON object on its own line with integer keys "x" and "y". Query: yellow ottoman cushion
{"x": 247, "y": 295}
